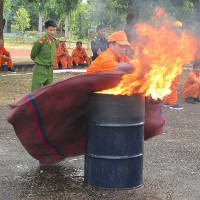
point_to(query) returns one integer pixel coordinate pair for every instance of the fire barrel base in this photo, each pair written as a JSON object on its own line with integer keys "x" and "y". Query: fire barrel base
{"x": 114, "y": 142}
{"x": 113, "y": 173}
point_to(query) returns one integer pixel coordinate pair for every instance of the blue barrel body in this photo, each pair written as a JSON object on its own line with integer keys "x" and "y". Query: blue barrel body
{"x": 114, "y": 142}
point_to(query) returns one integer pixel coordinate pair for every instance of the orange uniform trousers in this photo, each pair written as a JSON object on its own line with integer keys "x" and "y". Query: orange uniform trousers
{"x": 78, "y": 60}
{"x": 192, "y": 91}
{"x": 191, "y": 87}
{"x": 66, "y": 61}
{"x": 171, "y": 99}
{"x": 77, "y": 54}
{"x": 4, "y": 60}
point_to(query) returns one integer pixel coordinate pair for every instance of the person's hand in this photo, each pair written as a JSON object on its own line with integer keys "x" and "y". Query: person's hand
{"x": 3, "y": 56}
{"x": 64, "y": 53}
{"x": 99, "y": 52}
{"x": 84, "y": 54}
{"x": 124, "y": 68}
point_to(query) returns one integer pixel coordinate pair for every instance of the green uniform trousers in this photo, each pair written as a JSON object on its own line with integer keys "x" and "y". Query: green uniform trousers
{"x": 42, "y": 75}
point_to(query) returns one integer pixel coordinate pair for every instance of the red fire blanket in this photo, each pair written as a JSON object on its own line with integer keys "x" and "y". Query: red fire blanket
{"x": 50, "y": 122}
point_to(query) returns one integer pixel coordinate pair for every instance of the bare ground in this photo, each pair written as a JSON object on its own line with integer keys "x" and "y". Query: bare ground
{"x": 171, "y": 168}
{"x": 20, "y": 55}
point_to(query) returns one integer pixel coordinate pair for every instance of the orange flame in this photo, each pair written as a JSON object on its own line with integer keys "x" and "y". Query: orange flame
{"x": 158, "y": 59}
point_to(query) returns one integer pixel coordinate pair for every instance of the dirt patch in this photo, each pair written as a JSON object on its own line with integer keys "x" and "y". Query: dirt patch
{"x": 171, "y": 161}
{"x": 171, "y": 165}
{"x": 20, "y": 55}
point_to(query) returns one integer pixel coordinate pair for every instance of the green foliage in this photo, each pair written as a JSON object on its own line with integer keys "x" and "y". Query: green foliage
{"x": 67, "y": 5}
{"x": 6, "y": 8}
{"x": 113, "y": 13}
{"x": 21, "y": 21}
{"x": 78, "y": 23}
{"x": 104, "y": 12}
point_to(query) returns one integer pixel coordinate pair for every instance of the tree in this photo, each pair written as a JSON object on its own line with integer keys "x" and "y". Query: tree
{"x": 6, "y": 8}
{"x": 67, "y": 6}
{"x": 1, "y": 19}
{"x": 41, "y": 4}
{"x": 103, "y": 12}
{"x": 21, "y": 21}
{"x": 78, "y": 22}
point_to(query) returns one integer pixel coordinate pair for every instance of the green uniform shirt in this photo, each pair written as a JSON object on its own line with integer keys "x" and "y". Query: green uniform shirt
{"x": 43, "y": 52}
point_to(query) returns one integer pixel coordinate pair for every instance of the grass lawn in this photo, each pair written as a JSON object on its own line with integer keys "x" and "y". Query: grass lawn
{"x": 17, "y": 45}
{"x": 15, "y": 87}
{"x": 70, "y": 45}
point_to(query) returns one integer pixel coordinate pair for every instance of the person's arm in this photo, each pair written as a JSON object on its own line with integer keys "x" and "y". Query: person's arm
{"x": 94, "y": 46}
{"x": 84, "y": 52}
{"x": 35, "y": 50}
{"x": 3, "y": 56}
{"x": 9, "y": 56}
{"x": 65, "y": 52}
{"x": 192, "y": 78}
{"x": 74, "y": 53}
{"x": 105, "y": 65}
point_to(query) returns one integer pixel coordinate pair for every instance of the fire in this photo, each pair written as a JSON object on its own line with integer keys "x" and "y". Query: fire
{"x": 159, "y": 56}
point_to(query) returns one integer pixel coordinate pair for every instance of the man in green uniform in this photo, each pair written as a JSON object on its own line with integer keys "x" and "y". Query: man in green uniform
{"x": 43, "y": 54}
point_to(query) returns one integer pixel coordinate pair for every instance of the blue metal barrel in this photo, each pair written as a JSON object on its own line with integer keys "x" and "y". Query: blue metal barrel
{"x": 115, "y": 138}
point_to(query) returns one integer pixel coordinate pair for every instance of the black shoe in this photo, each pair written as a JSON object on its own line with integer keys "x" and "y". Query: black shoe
{"x": 11, "y": 70}
{"x": 197, "y": 99}
{"x": 190, "y": 100}
{"x": 176, "y": 107}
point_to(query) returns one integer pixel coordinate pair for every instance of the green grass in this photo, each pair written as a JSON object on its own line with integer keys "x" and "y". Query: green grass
{"x": 13, "y": 45}
{"x": 15, "y": 87}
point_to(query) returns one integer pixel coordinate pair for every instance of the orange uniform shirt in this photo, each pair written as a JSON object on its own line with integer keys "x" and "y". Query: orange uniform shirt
{"x": 78, "y": 53}
{"x": 60, "y": 50}
{"x": 191, "y": 79}
{"x": 106, "y": 62}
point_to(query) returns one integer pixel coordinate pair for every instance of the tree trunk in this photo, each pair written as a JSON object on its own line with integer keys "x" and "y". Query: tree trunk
{"x": 1, "y": 19}
{"x": 132, "y": 15}
{"x": 67, "y": 26}
{"x": 41, "y": 14}
{"x": 61, "y": 27}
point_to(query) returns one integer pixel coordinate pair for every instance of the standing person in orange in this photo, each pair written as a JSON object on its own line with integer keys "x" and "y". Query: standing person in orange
{"x": 5, "y": 57}
{"x": 112, "y": 56}
{"x": 62, "y": 55}
{"x": 171, "y": 99}
{"x": 79, "y": 55}
{"x": 191, "y": 88}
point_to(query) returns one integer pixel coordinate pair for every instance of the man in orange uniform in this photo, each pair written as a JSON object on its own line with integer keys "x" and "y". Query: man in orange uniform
{"x": 115, "y": 54}
{"x": 171, "y": 99}
{"x": 5, "y": 57}
{"x": 191, "y": 88}
{"x": 114, "y": 59}
{"x": 62, "y": 55}
{"x": 79, "y": 54}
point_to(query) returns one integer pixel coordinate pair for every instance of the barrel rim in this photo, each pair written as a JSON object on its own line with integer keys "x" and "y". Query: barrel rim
{"x": 115, "y": 125}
